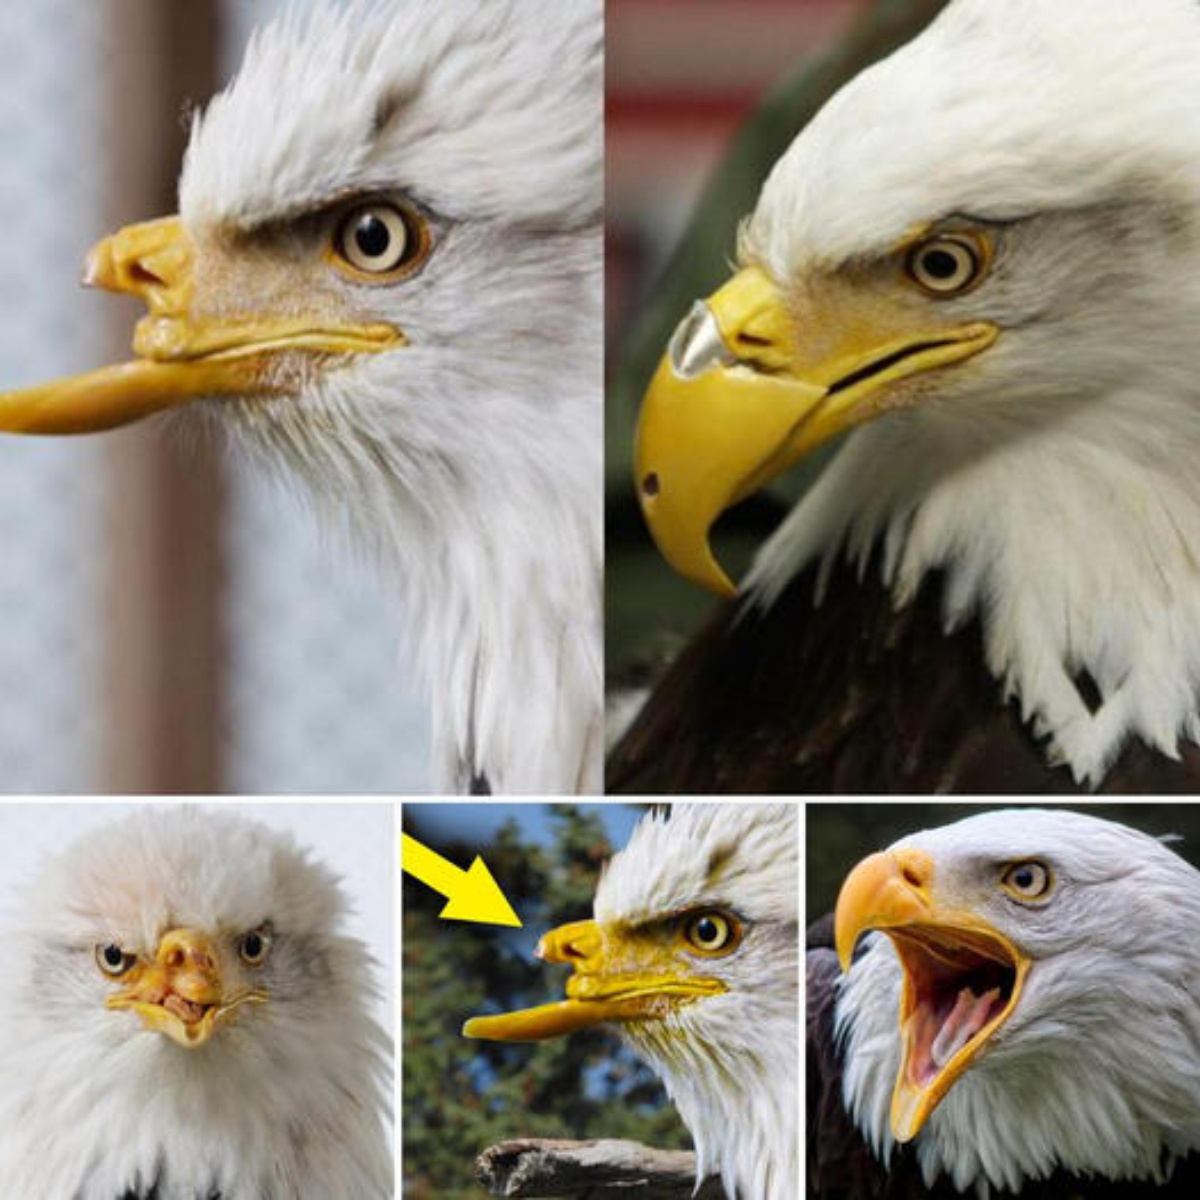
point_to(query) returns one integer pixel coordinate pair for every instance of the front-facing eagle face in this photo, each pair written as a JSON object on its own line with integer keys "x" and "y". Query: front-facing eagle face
{"x": 186, "y": 1020}
{"x": 1044, "y": 968}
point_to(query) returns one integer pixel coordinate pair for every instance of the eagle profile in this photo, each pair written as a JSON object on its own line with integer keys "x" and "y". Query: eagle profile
{"x": 384, "y": 282}
{"x": 1008, "y": 1006}
{"x": 978, "y": 263}
{"x": 183, "y": 1019}
{"x": 692, "y": 955}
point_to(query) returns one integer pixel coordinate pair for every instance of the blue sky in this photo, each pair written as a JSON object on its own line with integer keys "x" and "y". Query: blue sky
{"x": 475, "y": 823}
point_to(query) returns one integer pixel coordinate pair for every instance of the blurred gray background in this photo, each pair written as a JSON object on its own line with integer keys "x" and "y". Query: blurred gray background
{"x": 168, "y": 623}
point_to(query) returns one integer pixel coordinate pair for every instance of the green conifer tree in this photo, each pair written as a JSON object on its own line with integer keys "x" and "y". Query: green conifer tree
{"x": 462, "y": 1096}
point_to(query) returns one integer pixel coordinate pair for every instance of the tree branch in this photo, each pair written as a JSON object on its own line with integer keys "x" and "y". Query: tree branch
{"x": 550, "y": 1168}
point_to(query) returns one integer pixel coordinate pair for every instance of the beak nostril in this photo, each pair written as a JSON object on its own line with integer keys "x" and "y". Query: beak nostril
{"x": 650, "y": 484}
{"x": 752, "y": 339}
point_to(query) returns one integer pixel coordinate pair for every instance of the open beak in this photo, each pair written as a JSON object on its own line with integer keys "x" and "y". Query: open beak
{"x": 179, "y": 355}
{"x": 748, "y": 387}
{"x": 616, "y": 979}
{"x": 962, "y": 978}
{"x": 181, "y": 994}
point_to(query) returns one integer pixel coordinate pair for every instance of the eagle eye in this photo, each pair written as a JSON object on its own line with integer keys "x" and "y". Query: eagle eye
{"x": 713, "y": 932}
{"x": 1027, "y": 880}
{"x": 948, "y": 264}
{"x": 380, "y": 242}
{"x": 255, "y": 946}
{"x": 114, "y": 961}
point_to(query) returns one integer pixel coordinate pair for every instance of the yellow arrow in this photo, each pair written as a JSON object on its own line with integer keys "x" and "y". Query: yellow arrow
{"x": 472, "y": 895}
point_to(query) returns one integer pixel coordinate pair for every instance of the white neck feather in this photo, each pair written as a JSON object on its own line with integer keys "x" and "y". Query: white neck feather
{"x": 1075, "y": 541}
{"x": 91, "y": 1114}
{"x": 490, "y": 535}
{"x": 734, "y": 1083}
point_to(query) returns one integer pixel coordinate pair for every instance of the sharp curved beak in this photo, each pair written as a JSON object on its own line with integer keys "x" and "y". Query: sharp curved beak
{"x": 745, "y": 391}
{"x": 963, "y": 978}
{"x": 180, "y": 356}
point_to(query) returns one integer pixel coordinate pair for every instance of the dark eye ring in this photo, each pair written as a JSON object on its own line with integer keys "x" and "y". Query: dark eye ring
{"x": 114, "y": 961}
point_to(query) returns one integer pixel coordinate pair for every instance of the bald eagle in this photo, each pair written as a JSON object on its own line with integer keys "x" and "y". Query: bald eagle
{"x": 1016, "y": 1012}
{"x": 692, "y": 954}
{"x": 978, "y": 263}
{"x": 384, "y": 280}
{"x": 183, "y": 1018}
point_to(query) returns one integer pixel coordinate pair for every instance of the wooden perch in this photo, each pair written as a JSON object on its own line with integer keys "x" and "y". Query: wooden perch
{"x": 549, "y": 1168}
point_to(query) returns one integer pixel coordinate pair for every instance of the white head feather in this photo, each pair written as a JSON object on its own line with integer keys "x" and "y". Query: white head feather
{"x": 286, "y": 1103}
{"x": 728, "y": 1061}
{"x": 1097, "y": 1070}
{"x": 469, "y": 459}
{"x": 1051, "y": 478}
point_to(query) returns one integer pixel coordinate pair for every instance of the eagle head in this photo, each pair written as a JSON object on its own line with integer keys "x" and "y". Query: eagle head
{"x": 978, "y": 262}
{"x": 693, "y": 955}
{"x": 384, "y": 280}
{"x": 1044, "y": 968}
{"x": 183, "y": 1002}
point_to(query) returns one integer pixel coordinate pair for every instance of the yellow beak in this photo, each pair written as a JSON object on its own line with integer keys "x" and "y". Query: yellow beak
{"x": 745, "y": 391}
{"x": 603, "y": 988}
{"x": 962, "y": 977}
{"x": 181, "y": 993}
{"x": 180, "y": 357}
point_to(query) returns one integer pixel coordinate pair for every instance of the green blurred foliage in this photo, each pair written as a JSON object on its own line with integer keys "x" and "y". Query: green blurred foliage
{"x": 461, "y": 1096}
{"x": 839, "y": 835}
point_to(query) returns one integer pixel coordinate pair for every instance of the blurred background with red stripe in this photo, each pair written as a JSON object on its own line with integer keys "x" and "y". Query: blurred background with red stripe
{"x": 702, "y": 96}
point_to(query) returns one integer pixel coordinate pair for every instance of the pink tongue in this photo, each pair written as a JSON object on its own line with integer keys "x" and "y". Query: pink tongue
{"x": 969, "y": 1015}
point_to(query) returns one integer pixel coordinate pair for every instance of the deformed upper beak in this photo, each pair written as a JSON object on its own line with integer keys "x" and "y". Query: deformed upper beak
{"x": 614, "y": 980}
{"x": 181, "y": 992}
{"x": 180, "y": 356}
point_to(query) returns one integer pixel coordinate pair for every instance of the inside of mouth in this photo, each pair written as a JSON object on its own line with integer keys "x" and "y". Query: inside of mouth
{"x": 956, "y": 990}
{"x": 188, "y": 1011}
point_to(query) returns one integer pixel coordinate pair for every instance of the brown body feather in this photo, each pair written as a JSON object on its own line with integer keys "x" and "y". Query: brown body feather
{"x": 852, "y": 696}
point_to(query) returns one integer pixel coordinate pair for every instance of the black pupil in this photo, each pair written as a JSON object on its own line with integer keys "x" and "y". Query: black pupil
{"x": 372, "y": 236}
{"x": 707, "y": 930}
{"x": 253, "y": 945}
{"x": 941, "y": 264}
{"x": 113, "y": 956}
{"x": 1024, "y": 878}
